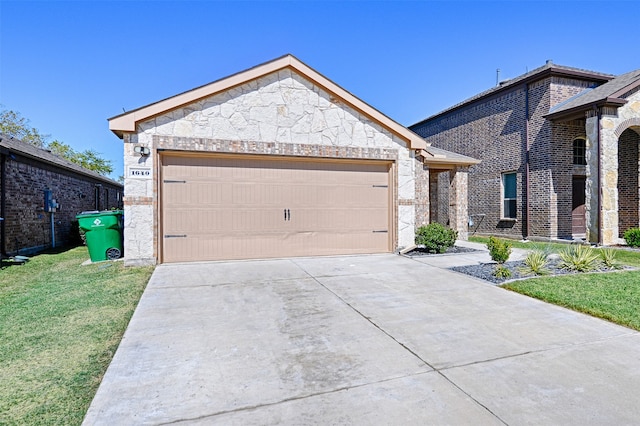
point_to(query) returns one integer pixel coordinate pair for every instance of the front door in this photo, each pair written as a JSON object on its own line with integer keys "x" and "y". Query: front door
{"x": 578, "y": 221}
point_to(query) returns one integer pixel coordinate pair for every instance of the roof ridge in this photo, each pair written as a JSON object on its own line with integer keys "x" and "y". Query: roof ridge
{"x": 549, "y": 65}
{"x": 47, "y": 156}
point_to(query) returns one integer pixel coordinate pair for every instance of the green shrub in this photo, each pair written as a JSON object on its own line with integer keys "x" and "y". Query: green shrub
{"x": 632, "y": 237}
{"x": 535, "y": 264}
{"x": 579, "y": 258}
{"x": 501, "y": 271}
{"x": 500, "y": 250}
{"x": 436, "y": 238}
{"x": 608, "y": 258}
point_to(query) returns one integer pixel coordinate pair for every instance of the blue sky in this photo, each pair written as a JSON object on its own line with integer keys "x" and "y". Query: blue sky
{"x": 68, "y": 66}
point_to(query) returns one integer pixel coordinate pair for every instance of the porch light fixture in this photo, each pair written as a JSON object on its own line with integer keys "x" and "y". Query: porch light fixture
{"x": 142, "y": 150}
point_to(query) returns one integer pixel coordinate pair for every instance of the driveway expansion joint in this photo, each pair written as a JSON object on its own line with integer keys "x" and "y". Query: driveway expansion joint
{"x": 411, "y": 351}
{"x": 561, "y": 367}
{"x": 296, "y": 398}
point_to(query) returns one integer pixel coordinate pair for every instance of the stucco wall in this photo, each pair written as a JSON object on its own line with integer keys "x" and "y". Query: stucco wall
{"x": 279, "y": 114}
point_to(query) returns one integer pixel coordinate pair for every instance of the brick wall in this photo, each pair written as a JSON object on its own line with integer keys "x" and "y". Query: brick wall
{"x": 439, "y": 184}
{"x": 628, "y": 199}
{"x": 562, "y": 172}
{"x": 27, "y": 228}
{"x": 491, "y": 130}
{"x": 495, "y": 129}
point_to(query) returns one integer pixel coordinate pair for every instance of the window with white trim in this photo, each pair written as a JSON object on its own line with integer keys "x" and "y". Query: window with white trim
{"x": 509, "y": 195}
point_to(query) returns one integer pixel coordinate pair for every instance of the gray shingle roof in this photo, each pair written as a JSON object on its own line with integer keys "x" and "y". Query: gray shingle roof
{"x": 28, "y": 150}
{"x": 548, "y": 67}
{"x": 438, "y": 152}
{"x": 608, "y": 90}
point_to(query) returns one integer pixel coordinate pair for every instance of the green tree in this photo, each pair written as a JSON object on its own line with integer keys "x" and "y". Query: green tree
{"x": 90, "y": 159}
{"x": 14, "y": 124}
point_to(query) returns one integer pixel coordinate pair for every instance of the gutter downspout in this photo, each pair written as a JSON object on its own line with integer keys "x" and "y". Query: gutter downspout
{"x": 598, "y": 112}
{"x": 526, "y": 162}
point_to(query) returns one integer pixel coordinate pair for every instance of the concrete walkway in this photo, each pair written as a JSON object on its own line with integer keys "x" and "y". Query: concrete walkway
{"x": 378, "y": 339}
{"x": 471, "y": 258}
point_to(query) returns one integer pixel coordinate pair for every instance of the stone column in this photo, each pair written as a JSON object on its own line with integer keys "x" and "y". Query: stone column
{"x": 459, "y": 201}
{"x": 606, "y": 166}
{"x": 591, "y": 184}
{"x": 139, "y": 206}
{"x": 609, "y": 181}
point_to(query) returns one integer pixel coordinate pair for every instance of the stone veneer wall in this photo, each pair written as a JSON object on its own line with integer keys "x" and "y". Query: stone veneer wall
{"x": 278, "y": 114}
{"x": 611, "y": 127}
{"x": 27, "y": 227}
{"x": 422, "y": 197}
{"x": 591, "y": 183}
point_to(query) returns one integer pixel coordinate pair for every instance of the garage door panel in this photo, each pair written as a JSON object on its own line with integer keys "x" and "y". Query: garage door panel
{"x": 182, "y": 220}
{"x": 230, "y": 208}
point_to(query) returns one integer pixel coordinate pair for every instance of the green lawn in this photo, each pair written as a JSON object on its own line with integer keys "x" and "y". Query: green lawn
{"x": 529, "y": 245}
{"x": 60, "y": 326}
{"x": 614, "y": 296}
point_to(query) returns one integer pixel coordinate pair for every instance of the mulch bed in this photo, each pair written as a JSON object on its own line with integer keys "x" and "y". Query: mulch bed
{"x": 484, "y": 271}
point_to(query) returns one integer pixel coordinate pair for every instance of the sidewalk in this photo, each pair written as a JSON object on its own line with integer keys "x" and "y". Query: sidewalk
{"x": 464, "y": 259}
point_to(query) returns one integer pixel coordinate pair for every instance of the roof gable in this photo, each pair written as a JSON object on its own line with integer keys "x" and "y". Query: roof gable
{"x": 126, "y": 122}
{"x": 609, "y": 94}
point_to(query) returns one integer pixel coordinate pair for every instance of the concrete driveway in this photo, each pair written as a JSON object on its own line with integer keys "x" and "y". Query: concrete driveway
{"x": 378, "y": 339}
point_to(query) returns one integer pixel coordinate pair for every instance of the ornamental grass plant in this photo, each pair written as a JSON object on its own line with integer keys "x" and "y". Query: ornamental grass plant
{"x": 579, "y": 258}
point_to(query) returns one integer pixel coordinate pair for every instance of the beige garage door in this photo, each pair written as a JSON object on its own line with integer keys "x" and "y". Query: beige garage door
{"x": 215, "y": 208}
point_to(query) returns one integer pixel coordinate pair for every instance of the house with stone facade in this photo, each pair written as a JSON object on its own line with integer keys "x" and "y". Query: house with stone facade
{"x": 276, "y": 161}
{"x": 559, "y": 151}
{"x": 27, "y": 173}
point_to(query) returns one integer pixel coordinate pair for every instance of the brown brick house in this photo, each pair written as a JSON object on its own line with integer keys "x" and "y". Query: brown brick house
{"x": 559, "y": 151}
{"x": 26, "y": 172}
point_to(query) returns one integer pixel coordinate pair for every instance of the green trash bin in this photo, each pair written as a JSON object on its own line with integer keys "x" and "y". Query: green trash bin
{"x": 103, "y": 233}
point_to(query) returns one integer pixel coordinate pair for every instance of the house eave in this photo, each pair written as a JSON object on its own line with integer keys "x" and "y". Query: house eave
{"x": 551, "y": 71}
{"x": 579, "y": 111}
{"x": 76, "y": 169}
{"x": 448, "y": 163}
{"x": 127, "y": 122}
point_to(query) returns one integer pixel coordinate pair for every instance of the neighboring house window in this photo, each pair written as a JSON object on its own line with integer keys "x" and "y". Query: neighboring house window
{"x": 106, "y": 198}
{"x": 579, "y": 152}
{"x": 509, "y": 195}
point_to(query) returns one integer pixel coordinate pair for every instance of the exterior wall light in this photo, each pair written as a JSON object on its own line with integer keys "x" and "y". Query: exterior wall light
{"x": 142, "y": 150}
